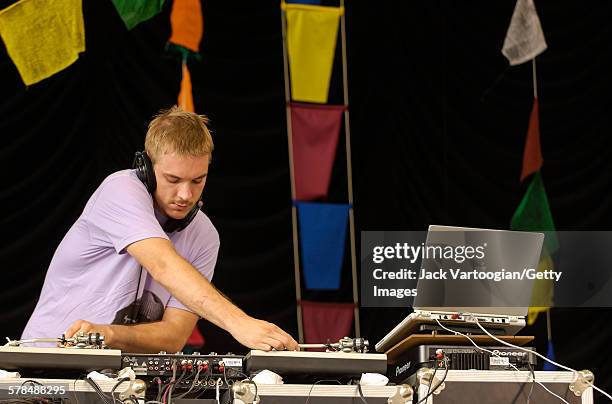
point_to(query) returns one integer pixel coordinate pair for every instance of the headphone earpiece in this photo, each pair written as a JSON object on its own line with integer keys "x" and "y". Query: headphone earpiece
{"x": 145, "y": 173}
{"x": 144, "y": 170}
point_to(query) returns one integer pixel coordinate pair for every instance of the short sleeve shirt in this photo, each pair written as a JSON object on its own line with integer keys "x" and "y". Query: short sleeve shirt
{"x": 92, "y": 277}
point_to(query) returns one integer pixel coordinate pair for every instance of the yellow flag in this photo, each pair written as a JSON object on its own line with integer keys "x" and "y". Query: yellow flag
{"x": 312, "y": 32}
{"x": 543, "y": 290}
{"x": 42, "y": 37}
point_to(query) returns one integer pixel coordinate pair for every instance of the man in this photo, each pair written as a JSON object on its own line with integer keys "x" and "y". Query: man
{"x": 143, "y": 251}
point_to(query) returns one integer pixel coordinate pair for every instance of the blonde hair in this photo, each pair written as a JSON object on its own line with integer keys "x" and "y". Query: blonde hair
{"x": 178, "y": 131}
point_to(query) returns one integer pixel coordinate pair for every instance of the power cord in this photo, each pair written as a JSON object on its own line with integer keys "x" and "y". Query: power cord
{"x": 217, "y": 392}
{"x": 430, "y": 393}
{"x": 250, "y": 379}
{"x": 98, "y": 390}
{"x": 539, "y": 356}
{"x": 361, "y": 396}
{"x": 497, "y": 355}
{"x": 112, "y": 393}
{"x": 317, "y": 382}
{"x": 532, "y": 384}
{"x": 433, "y": 377}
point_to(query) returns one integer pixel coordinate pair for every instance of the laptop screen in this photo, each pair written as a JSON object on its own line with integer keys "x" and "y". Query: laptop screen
{"x": 511, "y": 251}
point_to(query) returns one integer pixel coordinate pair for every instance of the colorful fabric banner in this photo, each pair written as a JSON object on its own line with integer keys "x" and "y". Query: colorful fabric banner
{"x": 42, "y": 37}
{"x": 133, "y": 12}
{"x": 187, "y": 24}
{"x": 187, "y": 28}
{"x": 315, "y": 130}
{"x": 525, "y": 38}
{"x": 532, "y": 156}
{"x": 314, "y": 2}
{"x": 185, "y": 97}
{"x": 311, "y": 43}
{"x": 325, "y": 322}
{"x": 550, "y": 354}
{"x": 322, "y": 239}
{"x": 196, "y": 340}
{"x": 533, "y": 214}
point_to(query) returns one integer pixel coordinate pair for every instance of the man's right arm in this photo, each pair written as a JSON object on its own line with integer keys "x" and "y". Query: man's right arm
{"x": 184, "y": 282}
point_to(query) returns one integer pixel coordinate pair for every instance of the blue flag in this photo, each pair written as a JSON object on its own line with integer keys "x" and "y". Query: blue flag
{"x": 322, "y": 238}
{"x": 550, "y": 354}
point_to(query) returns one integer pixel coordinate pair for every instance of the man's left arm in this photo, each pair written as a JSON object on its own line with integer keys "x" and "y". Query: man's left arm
{"x": 170, "y": 334}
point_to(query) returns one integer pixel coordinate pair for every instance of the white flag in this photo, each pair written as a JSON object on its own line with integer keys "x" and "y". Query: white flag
{"x": 525, "y": 38}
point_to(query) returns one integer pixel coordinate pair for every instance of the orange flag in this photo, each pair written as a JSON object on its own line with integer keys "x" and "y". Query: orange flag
{"x": 187, "y": 24}
{"x": 185, "y": 97}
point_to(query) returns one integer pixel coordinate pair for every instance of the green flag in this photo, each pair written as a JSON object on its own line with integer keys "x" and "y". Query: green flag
{"x": 533, "y": 213}
{"x": 133, "y": 12}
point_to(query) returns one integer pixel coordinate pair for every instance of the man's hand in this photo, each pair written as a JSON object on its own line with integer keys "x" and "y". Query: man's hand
{"x": 259, "y": 334}
{"x": 87, "y": 327}
{"x": 170, "y": 334}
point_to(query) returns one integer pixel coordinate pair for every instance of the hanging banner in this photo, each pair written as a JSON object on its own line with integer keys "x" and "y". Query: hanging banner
{"x": 525, "y": 38}
{"x": 42, "y": 37}
{"x": 533, "y": 214}
{"x": 322, "y": 238}
{"x": 187, "y": 24}
{"x": 133, "y": 12}
{"x": 185, "y": 97}
{"x": 314, "y": 2}
{"x": 187, "y": 28}
{"x": 550, "y": 354}
{"x": 325, "y": 322}
{"x": 312, "y": 32}
{"x": 532, "y": 156}
{"x": 315, "y": 130}
{"x": 196, "y": 339}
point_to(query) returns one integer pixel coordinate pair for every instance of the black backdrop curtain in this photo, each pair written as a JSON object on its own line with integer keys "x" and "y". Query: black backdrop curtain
{"x": 438, "y": 127}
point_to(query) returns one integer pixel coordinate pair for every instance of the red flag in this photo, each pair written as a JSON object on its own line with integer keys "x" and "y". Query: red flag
{"x": 315, "y": 130}
{"x": 196, "y": 340}
{"x": 532, "y": 157}
{"x": 325, "y": 322}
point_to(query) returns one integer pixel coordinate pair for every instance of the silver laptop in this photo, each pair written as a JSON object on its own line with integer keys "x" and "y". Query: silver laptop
{"x": 498, "y": 306}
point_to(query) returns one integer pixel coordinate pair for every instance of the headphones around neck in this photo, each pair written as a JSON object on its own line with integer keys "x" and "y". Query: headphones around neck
{"x": 144, "y": 171}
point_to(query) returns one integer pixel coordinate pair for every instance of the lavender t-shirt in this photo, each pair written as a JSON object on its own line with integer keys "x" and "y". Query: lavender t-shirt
{"x": 91, "y": 275}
